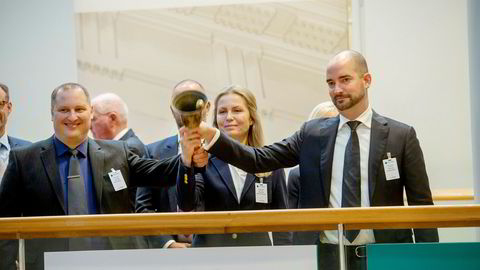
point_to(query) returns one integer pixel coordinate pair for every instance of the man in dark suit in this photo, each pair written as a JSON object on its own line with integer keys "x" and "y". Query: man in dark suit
{"x": 164, "y": 199}
{"x": 161, "y": 199}
{"x": 110, "y": 122}
{"x": 69, "y": 173}
{"x": 7, "y": 143}
{"x": 388, "y": 159}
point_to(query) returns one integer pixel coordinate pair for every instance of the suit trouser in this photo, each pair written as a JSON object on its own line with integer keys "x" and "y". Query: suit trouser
{"x": 328, "y": 257}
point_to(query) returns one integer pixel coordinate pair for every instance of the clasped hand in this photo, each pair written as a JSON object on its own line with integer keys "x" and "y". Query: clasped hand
{"x": 193, "y": 152}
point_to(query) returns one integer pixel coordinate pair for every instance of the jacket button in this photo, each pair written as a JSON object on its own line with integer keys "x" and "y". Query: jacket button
{"x": 234, "y": 236}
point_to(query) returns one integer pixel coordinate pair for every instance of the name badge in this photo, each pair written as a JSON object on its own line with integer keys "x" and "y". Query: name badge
{"x": 117, "y": 180}
{"x": 261, "y": 192}
{"x": 391, "y": 168}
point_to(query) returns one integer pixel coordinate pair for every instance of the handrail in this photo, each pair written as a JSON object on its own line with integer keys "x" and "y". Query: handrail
{"x": 240, "y": 221}
{"x": 464, "y": 194}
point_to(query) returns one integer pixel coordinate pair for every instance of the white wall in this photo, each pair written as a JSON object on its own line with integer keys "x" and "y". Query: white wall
{"x": 417, "y": 52}
{"x": 418, "y": 55}
{"x": 37, "y": 53}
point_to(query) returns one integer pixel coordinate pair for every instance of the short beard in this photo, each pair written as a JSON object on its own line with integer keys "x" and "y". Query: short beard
{"x": 347, "y": 104}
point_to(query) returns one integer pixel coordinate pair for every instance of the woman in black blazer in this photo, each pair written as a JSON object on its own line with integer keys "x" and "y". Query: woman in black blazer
{"x": 223, "y": 187}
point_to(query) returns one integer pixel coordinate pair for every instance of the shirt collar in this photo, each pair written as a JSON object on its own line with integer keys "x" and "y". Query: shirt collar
{"x": 120, "y": 134}
{"x": 365, "y": 118}
{"x": 4, "y": 141}
{"x": 61, "y": 148}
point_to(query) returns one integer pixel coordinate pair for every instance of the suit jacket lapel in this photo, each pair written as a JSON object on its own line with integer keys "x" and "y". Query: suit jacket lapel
{"x": 250, "y": 179}
{"x": 49, "y": 161}
{"x": 225, "y": 175}
{"x": 327, "y": 142}
{"x": 13, "y": 143}
{"x": 127, "y": 135}
{"x": 97, "y": 163}
{"x": 171, "y": 149}
{"x": 378, "y": 142}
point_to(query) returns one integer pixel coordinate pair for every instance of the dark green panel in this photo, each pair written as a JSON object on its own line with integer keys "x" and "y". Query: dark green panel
{"x": 424, "y": 256}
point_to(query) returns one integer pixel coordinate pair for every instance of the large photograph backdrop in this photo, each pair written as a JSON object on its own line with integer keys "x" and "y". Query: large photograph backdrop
{"x": 417, "y": 52}
{"x": 278, "y": 50}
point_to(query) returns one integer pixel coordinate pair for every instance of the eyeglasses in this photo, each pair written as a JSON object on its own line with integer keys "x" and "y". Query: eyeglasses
{"x": 3, "y": 103}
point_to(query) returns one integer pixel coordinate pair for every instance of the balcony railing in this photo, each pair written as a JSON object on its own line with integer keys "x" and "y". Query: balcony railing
{"x": 240, "y": 221}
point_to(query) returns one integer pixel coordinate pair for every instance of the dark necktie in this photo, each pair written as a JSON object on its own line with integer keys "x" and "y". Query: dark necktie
{"x": 351, "y": 196}
{"x": 77, "y": 203}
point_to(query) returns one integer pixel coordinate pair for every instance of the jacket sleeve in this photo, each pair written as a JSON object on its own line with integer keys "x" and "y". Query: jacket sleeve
{"x": 152, "y": 172}
{"x": 189, "y": 188}
{"x": 417, "y": 187}
{"x": 281, "y": 154}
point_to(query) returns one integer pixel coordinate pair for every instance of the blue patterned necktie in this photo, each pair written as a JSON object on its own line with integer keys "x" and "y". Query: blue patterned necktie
{"x": 351, "y": 195}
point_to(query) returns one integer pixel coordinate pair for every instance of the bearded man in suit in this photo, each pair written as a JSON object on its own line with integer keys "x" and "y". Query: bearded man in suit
{"x": 357, "y": 159}
{"x": 164, "y": 199}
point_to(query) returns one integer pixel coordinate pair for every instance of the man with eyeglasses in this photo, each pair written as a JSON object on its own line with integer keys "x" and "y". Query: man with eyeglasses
{"x": 6, "y": 142}
{"x": 110, "y": 122}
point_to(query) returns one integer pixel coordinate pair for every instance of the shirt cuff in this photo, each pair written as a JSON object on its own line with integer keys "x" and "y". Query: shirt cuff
{"x": 168, "y": 243}
{"x": 213, "y": 141}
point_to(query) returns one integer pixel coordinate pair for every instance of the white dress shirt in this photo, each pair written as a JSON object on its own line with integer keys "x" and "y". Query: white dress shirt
{"x": 120, "y": 134}
{"x": 335, "y": 200}
{"x": 238, "y": 177}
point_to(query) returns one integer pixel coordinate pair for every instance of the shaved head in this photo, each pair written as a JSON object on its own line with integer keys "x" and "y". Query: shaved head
{"x": 359, "y": 61}
{"x": 348, "y": 80}
{"x": 110, "y": 116}
{"x": 110, "y": 102}
{"x": 187, "y": 85}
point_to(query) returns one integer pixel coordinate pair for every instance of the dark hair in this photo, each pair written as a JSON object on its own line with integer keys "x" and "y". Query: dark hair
{"x": 66, "y": 87}
{"x": 5, "y": 89}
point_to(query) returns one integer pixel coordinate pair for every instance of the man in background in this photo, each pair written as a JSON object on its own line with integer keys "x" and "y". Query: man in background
{"x": 6, "y": 144}
{"x": 110, "y": 122}
{"x": 164, "y": 199}
{"x": 322, "y": 110}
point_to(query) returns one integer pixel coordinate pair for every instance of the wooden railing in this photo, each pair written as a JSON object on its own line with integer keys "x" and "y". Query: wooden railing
{"x": 461, "y": 194}
{"x": 240, "y": 221}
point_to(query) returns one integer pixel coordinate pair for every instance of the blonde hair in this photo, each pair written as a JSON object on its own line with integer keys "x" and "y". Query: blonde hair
{"x": 323, "y": 110}
{"x": 255, "y": 132}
